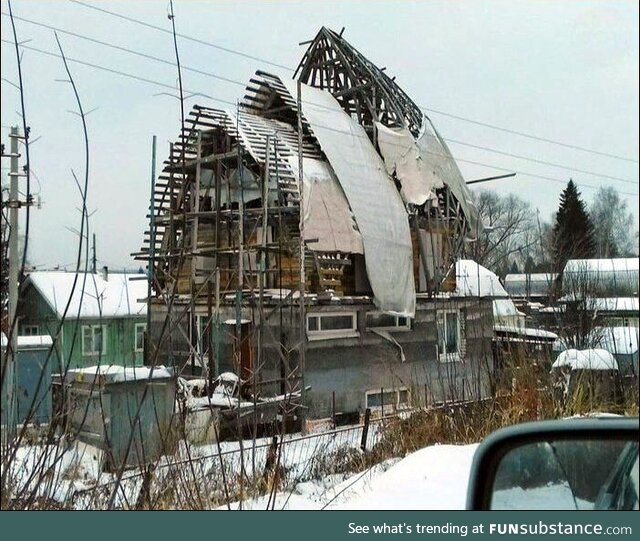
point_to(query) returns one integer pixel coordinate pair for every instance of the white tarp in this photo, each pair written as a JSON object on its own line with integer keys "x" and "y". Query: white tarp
{"x": 327, "y": 216}
{"x": 436, "y": 153}
{"x": 375, "y": 201}
{"x": 403, "y": 156}
{"x": 424, "y": 165}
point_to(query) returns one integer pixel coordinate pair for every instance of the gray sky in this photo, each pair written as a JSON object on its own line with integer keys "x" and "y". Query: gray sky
{"x": 562, "y": 70}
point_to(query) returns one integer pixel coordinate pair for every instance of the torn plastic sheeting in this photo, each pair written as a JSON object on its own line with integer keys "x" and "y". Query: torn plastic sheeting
{"x": 327, "y": 215}
{"x": 387, "y": 336}
{"x": 438, "y": 159}
{"x": 376, "y": 204}
{"x": 404, "y": 157}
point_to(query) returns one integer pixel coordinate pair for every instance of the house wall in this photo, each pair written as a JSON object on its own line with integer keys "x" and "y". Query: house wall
{"x": 120, "y": 348}
{"x": 343, "y": 370}
{"x": 349, "y": 368}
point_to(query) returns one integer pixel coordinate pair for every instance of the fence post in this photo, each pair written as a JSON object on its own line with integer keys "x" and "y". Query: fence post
{"x": 365, "y": 429}
{"x": 333, "y": 408}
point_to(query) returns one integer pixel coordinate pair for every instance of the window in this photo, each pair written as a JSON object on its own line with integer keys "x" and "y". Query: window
{"x": 388, "y": 400}
{"x": 30, "y": 330}
{"x": 321, "y": 326}
{"x": 94, "y": 339}
{"x": 140, "y": 330}
{"x": 381, "y": 320}
{"x": 449, "y": 336}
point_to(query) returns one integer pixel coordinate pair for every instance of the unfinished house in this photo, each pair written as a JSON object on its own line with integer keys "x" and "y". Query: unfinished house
{"x": 306, "y": 242}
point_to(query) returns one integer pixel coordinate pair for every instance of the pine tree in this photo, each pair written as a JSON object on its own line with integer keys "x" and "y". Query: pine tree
{"x": 573, "y": 233}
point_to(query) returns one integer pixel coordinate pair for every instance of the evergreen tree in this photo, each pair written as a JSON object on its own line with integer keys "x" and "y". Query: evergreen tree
{"x": 573, "y": 233}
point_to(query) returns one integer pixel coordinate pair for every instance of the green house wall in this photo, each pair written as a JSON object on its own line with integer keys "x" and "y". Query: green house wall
{"x": 120, "y": 348}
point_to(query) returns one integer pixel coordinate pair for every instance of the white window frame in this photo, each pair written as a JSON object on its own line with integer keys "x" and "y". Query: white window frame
{"x": 393, "y": 405}
{"x": 442, "y": 336}
{"x": 398, "y": 327}
{"x": 135, "y": 337}
{"x": 104, "y": 339}
{"x": 28, "y": 330}
{"x": 329, "y": 334}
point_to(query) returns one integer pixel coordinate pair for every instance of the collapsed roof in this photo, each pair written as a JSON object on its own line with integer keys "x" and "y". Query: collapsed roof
{"x": 371, "y": 163}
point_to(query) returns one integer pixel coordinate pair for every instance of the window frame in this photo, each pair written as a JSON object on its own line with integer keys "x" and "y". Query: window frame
{"x": 329, "y": 334}
{"x": 137, "y": 349}
{"x": 443, "y": 356}
{"x": 394, "y": 328}
{"x": 23, "y": 329}
{"x": 395, "y": 406}
{"x": 93, "y": 353}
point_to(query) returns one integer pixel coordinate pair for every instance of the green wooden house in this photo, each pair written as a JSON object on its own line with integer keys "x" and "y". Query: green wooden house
{"x": 105, "y": 320}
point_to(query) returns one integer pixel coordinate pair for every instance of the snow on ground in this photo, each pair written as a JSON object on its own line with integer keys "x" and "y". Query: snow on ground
{"x": 432, "y": 478}
{"x": 435, "y": 477}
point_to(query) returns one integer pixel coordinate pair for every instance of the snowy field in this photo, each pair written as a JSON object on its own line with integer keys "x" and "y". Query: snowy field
{"x": 435, "y": 477}
{"x": 314, "y": 476}
{"x": 432, "y": 478}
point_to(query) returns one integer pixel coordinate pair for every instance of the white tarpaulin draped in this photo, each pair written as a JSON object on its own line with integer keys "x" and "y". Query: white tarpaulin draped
{"x": 435, "y": 152}
{"x": 375, "y": 201}
{"x": 423, "y": 165}
{"x": 327, "y": 216}
{"x": 403, "y": 156}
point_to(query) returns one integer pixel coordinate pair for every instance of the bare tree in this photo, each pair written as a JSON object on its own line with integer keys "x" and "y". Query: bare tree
{"x": 511, "y": 232}
{"x": 613, "y": 225}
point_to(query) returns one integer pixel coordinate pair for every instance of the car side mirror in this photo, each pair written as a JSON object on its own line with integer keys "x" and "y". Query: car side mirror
{"x": 584, "y": 463}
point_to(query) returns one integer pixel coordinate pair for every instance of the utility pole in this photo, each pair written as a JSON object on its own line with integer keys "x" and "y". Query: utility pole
{"x": 303, "y": 317}
{"x": 148, "y": 356}
{"x": 14, "y": 257}
{"x": 94, "y": 261}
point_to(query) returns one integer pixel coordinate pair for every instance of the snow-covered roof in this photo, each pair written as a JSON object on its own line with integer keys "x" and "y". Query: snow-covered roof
{"x": 25, "y": 342}
{"x": 530, "y": 285}
{"x": 115, "y": 373}
{"x": 474, "y": 280}
{"x": 601, "y": 277}
{"x": 587, "y": 359}
{"x": 608, "y": 304}
{"x": 544, "y": 277}
{"x": 622, "y": 264}
{"x": 505, "y": 307}
{"x": 616, "y": 340}
{"x": 120, "y": 295}
{"x": 532, "y": 333}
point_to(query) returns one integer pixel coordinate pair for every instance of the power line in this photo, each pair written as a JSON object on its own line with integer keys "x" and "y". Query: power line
{"x": 530, "y": 136}
{"x": 118, "y": 72}
{"x": 157, "y": 83}
{"x": 241, "y": 84}
{"x": 183, "y": 36}
{"x": 427, "y": 109}
{"x": 543, "y": 162}
{"x": 123, "y": 49}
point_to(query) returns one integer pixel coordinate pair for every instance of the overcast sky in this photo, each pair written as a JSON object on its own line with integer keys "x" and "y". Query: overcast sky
{"x": 561, "y": 70}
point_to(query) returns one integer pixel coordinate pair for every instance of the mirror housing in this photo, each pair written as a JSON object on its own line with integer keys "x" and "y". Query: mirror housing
{"x": 497, "y": 446}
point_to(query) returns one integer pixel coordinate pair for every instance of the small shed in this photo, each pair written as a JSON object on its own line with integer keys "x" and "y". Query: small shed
{"x": 32, "y": 379}
{"x": 590, "y": 374}
{"x": 125, "y": 411}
